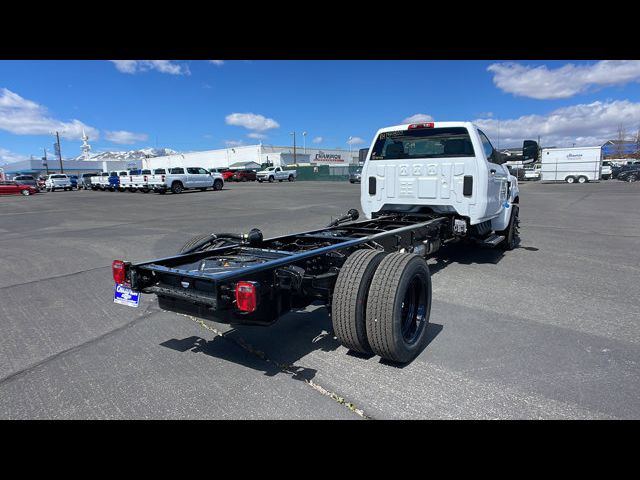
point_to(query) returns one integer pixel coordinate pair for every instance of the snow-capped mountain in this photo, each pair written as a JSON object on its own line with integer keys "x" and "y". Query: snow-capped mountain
{"x": 130, "y": 154}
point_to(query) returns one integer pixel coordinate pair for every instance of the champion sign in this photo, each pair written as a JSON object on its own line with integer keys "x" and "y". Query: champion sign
{"x": 126, "y": 296}
{"x": 328, "y": 158}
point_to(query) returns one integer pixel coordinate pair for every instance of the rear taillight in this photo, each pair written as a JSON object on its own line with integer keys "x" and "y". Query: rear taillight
{"x": 246, "y": 296}
{"x": 413, "y": 126}
{"x": 146, "y": 179}
{"x": 118, "y": 271}
{"x": 162, "y": 178}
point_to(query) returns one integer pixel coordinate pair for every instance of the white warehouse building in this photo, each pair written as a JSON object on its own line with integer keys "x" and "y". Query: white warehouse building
{"x": 260, "y": 154}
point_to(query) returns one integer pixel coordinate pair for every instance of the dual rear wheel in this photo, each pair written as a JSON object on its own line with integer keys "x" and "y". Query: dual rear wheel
{"x": 382, "y": 304}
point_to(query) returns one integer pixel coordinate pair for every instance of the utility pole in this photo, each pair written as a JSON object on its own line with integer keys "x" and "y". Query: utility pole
{"x": 295, "y": 160}
{"x": 46, "y": 162}
{"x": 59, "y": 153}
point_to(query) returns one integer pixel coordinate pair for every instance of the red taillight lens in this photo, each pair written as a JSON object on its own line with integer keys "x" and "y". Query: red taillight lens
{"x": 413, "y": 126}
{"x": 162, "y": 178}
{"x": 146, "y": 179}
{"x": 117, "y": 268}
{"x": 246, "y": 296}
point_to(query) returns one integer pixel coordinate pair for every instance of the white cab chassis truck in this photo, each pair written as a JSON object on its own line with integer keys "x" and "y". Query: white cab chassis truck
{"x": 423, "y": 186}
{"x": 571, "y": 165}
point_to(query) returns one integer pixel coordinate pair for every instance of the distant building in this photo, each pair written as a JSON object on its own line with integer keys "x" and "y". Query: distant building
{"x": 260, "y": 154}
{"x": 71, "y": 167}
{"x": 617, "y": 147}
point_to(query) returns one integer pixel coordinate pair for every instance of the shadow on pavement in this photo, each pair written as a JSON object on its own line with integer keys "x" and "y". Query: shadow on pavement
{"x": 289, "y": 340}
{"x": 467, "y": 254}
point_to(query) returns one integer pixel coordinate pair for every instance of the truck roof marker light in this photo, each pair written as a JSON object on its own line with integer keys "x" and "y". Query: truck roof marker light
{"x": 414, "y": 126}
{"x": 246, "y": 296}
{"x": 118, "y": 271}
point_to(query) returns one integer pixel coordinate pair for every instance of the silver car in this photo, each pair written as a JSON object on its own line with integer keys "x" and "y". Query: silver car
{"x": 354, "y": 177}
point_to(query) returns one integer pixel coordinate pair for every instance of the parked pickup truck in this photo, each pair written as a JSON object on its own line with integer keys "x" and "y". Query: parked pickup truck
{"x": 58, "y": 181}
{"x": 100, "y": 181}
{"x": 276, "y": 173}
{"x": 137, "y": 179}
{"x": 179, "y": 179}
{"x": 424, "y": 186}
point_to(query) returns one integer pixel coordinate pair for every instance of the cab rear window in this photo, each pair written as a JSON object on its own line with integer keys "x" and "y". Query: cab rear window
{"x": 423, "y": 143}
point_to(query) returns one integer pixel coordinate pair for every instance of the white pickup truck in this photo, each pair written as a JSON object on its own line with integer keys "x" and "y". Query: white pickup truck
{"x": 57, "y": 181}
{"x": 100, "y": 181}
{"x": 178, "y": 179}
{"x": 276, "y": 173}
{"x": 136, "y": 180}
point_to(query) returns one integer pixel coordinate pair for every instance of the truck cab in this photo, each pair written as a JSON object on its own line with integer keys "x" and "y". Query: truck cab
{"x": 448, "y": 168}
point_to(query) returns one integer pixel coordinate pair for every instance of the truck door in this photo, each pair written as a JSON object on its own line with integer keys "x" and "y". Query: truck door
{"x": 498, "y": 179}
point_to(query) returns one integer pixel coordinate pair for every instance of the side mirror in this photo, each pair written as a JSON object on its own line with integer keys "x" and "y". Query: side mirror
{"x": 530, "y": 150}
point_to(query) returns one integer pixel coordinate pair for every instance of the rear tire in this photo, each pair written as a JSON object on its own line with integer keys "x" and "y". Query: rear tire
{"x": 398, "y": 307}
{"x": 582, "y": 179}
{"x": 632, "y": 178}
{"x": 350, "y": 299}
{"x": 271, "y": 179}
{"x": 176, "y": 187}
{"x": 26, "y": 193}
{"x": 570, "y": 179}
{"x": 291, "y": 178}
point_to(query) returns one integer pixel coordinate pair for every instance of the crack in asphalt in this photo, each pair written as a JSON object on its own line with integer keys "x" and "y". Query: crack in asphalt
{"x": 288, "y": 369}
{"x": 53, "y": 278}
{"x": 24, "y": 371}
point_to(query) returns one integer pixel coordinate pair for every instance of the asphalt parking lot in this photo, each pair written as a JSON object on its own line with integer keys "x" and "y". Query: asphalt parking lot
{"x": 549, "y": 330}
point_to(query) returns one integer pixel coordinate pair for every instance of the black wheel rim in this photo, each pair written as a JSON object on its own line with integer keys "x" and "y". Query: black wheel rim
{"x": 414, "y": 310}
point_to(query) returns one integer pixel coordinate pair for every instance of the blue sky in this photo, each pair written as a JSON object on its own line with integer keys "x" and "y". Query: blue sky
{"x": 199, "y": 105}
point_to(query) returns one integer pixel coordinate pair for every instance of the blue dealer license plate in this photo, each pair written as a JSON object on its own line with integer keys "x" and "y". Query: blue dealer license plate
{"x": 126, "y": 296}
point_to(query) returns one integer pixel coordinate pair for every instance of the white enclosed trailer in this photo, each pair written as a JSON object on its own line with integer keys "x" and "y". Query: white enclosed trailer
{"x": 571, "y": 165}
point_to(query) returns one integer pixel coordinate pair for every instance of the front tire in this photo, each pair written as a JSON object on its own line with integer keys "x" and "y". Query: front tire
{"x": 291, "y": 178}
{"x": 271, "y": 179}
{"x": 570, "y": 179}
{"x": 176, "y": 187}
{"x": 398, "y": 307}
{"x": 26, "y": 193}
{"x": 632, "y": 178}
{"x": 217, "y": 185}
{"x": 350, "y": 299}
{"x": 512, "y": 233}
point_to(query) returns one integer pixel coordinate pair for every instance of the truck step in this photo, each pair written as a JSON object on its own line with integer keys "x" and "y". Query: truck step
{"x": 493, "y": 240}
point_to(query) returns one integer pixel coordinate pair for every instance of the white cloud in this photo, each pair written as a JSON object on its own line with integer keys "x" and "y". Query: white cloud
{"x": 566, "y": 81}
{"x": 7, "y": 156}
{"x": 125, "y": 138}
{"x": 355, "y": 141}
{"x": 317, "y": 140}
{"x": 26, "y": 117}
{"x": 585, "y": 125}
{"x": 162, "y": 66}
{"x": 418, "y": 118}
{"x": 217, "y": 63}
{"x": 251, "y": 121}
{"x": 485, "y": 115}
{"x": 234, "y": 143}
{"x": 257, "y": 136}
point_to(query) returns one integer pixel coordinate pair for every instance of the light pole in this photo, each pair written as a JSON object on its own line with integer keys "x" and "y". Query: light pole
{"x": 294, "y": 147}
{"x": 350, "y": 154}
{"x": 304, "y": 140}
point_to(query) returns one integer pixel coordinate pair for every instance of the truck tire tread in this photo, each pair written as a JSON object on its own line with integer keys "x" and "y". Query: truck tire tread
{"x": 350, "y": 299}
{"x": 381, "y": 306}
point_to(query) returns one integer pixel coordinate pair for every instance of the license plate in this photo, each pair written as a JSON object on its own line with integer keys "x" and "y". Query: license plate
{"x": 125, "y": 296}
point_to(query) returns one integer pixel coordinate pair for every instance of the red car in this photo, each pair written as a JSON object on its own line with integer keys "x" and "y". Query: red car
{"x": 14, "y": 188}
{"x": 244, "y": 176}
{"x": 227, "y": 175}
